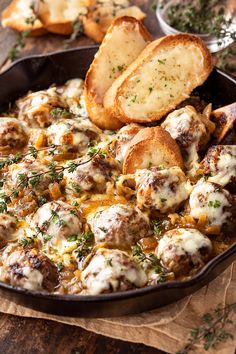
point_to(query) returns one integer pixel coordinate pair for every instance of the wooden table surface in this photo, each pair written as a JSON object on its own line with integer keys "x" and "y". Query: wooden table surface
{"x": 20, "y": 335}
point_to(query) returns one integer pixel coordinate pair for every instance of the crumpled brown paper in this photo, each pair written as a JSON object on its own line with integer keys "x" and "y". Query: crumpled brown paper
{"x": 167, "y": 328}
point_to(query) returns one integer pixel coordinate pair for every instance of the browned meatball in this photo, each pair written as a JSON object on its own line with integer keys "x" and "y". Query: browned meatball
{"x": 119, "y": 225}
{"x": 28, "y": 268}
{"x": 56, "y": 221}
{"x": 215, "y": 204}
{"x": 191, "y": 130}
{"x": 7, "y": 228}
{"x": 184, "y": 251}
{"x": 110, "y": 271}
{"x": 92, "y": 176}
{"x": 40, "y": 109}
{"x": 161, "y": 189}
{"x": 220, "y": 164}
{"x": 76, "y": 134}
{"x": 12, "y": 133}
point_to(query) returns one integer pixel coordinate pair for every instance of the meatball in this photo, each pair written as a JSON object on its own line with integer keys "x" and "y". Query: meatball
{"x": 70, "y": 94}
{"x": 28, "y": 268}
{"x": 220, "y": 164}
{"x": 54, "y": 222}
{"x": 190, "y": 131}
{"x": 161, "y": 189}
{"x": 36, "y": 109}
{"x": 209, "y": 200}
{"x": 28, "y": 169}
{"x": 12, "y": 133}
{"x": 123, "y": 139}
{"x": 110, "y": 271}
{"x": 183, "y": 251}
{"x": 92, "y": 176}
{"x": 76, "y": 134}
{"x": 119, "y": 225}
{"x": 7, "y": 228}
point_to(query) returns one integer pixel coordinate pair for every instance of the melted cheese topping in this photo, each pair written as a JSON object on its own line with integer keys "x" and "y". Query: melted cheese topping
{"x": 161, "y": 189}
{"x": 207, "y": 199}
{"x": 56, "y": 229}
{"x": 182, "y": 242}
{"x": 187, "y": 128}
{"x": 149, "y": 89}
{"x": 119, "y": 224}
{"x": 223, "y": 168}
{"x": 113, "y": 62}
{"x": 111, "y": 270}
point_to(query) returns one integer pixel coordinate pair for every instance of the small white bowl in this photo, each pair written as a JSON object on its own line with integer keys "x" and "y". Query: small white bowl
{"x": 212, "y": 42}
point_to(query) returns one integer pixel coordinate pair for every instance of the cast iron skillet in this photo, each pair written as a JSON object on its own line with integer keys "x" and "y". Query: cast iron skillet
{"x": 38, "y": 72}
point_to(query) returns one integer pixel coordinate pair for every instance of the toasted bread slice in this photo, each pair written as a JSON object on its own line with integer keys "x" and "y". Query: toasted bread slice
{"x": 163, "y": 75}
{"x": 124, "y": 41}
{"x": 225, "y": 118}
{"x": 59, "y": 16}
{"x": 152, "y": 147}
{"x": 18, "y": 16}
{"x": 99, "y": 18}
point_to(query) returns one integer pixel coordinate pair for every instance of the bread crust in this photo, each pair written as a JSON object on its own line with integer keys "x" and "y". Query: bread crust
{"x": 94, "y": 102}
{"x": 63, "y": 26}
{"x": 37, "y": 28}
{"x": 147, "y": 143}
{"x": 111, "y": 99}
{"x": 97, "y": 30}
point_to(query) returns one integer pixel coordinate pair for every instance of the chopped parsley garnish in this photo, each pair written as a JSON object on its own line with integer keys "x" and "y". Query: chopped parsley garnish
{"x": 60, "y": 266}
{"x": 72, "y": 238}
{"x": 163, "y": 61}
{"x": 156, "y": 226}
{"x": 214, "y": 204}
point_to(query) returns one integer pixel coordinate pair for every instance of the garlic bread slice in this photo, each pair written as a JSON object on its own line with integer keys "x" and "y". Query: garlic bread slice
{"x": 152, "y": 147}
{"x": 124, "y": 41}
{"x": 162, "y": 76}
{"x": 20, "y": 16}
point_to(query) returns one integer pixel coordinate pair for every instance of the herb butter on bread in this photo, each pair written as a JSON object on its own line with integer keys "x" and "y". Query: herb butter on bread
{"x": 162, "y": 76}
{"x": 124, "y": 41}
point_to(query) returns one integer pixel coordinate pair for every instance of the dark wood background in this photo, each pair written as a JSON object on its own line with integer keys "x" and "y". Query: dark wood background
{"x": 34, "y": 336}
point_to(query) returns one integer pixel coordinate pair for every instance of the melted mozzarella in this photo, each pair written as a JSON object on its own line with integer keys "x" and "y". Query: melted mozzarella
{"x": 111, "y": 270}
{"x": 56, "y": 229}
{"x": 208, "y": 200}
{"x": 179, "y": 242}
{"x": 161, "y": 189}
{"x": 224, "y": 168}
{"x": 122, "y": 225}
{"x": 185, "y": 126}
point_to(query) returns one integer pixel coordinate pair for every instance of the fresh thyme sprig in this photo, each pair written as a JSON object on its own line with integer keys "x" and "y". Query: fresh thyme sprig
{"x": 215, "y": 329}
{"x": 54, "y": 172}
{"x": 201, "y": 16}
{"x": 21, "y": 38}
{"x": 78, "y": 30}
{"x": 141, "y": 257}
{"x": 33, "y": 152}
{"x": 85, "y": 245}
{"x": 19, "y": 45}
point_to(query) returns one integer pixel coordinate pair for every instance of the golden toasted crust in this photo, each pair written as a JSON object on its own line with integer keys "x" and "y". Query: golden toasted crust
{"x": 224, "y": 117}
{"x": 13, "y": 17}
{"x": 152, "y": 147}
{"x": 120, "y": 89}
{"x": 96, "y": 23}
{"x": 59, "y": 16}
{"x": 110, "y": 60}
